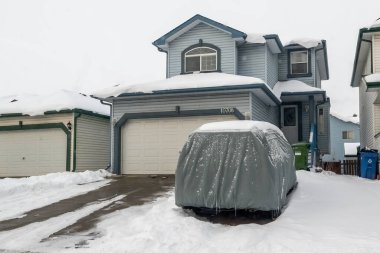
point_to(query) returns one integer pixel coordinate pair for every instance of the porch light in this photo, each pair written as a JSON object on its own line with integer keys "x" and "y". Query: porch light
{"x": 69, "y": 125}
{"x": 306, "y": 108}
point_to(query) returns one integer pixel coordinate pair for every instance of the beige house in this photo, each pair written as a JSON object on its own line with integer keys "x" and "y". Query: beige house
{"x": 366, "y": 76}
{"x": 64, "y": 131}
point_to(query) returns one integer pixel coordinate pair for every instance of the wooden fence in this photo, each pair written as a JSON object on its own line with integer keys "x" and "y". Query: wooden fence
{"x": 345, "y": 167}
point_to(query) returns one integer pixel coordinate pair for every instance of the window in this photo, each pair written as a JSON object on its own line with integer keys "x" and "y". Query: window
{"x": 347, "y": 135}
{"x": 321, "y": 121}
{"x": 299, "y": 63}
{"x": 290, "y": 118}
{"x": 200, "y": 59}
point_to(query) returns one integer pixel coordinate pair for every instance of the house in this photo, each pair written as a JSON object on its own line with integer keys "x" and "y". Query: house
{"x": 63, "y": 131}
{"x": 366, "y": 76}
{"x": 345, "y": 132}
{"x": 216, "y": 73}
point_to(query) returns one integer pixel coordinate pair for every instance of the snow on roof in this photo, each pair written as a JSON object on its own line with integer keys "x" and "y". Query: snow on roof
{"x": 305, "y": 42}
{"x": 255, "y": 38}
{"x": 351, "y": 148}
{"x": 373, "y": 78}
{"x": 238, "y": 126}
{"x": 375, "y": 24}
{"x": 33, "y": 105}
{"x": 354, "y": 120}
{"x": 293, "y": 86}
{"x": 189, "y": 81}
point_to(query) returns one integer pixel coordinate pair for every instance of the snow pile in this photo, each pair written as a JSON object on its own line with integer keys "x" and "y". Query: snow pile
{"x": 304, "y": 42}
{"x": 354, "y": 120}
{"x": 293, "y": 86}
{"x": 351, "y": 149}
{"x": 189, "y": 81}
{"x": 33, "y": 105}
{"x": 373, "y": 78}
{"x": 327, "y": 213}
{"x": 255, "y": 38}
{"x": 239, "y": 126}
{"x": 19, "y": 195}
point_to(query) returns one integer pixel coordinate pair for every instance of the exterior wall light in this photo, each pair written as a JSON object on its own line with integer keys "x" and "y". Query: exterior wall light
{"x": 69, "y": 125}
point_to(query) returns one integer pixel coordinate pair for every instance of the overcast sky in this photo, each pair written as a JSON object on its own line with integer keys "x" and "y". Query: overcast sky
{"x": 87, "y": 45}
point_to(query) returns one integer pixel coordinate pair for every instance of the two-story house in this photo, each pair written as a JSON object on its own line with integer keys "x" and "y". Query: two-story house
{"x": 217, "y": 73}
{"x": 366, "y": 76}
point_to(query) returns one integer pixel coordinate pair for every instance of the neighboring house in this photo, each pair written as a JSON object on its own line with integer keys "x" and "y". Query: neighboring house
{"x": 366, "y": 76}
{"x": 214, "y": 73}
{"x": 64, "y": 131}
{"x": 342, "y": 130}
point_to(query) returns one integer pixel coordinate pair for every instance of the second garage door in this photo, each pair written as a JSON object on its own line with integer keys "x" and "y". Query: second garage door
{"x": 152, "y": 146}
{"x": 32, "y": 152}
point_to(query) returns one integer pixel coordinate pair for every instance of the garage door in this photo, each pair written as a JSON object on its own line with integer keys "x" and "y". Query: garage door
{"x": 152, "y": 146}
{"x": 32, "y": 152}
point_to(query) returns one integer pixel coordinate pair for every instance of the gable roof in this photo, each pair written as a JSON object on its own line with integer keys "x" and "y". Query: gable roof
{"x": 161, "y": 43}
{"x": 363, "y": 46}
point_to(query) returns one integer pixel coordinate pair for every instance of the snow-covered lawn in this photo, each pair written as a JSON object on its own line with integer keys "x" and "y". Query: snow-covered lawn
{"x": 20, "y": 195}
{"x": 327, "y": 213}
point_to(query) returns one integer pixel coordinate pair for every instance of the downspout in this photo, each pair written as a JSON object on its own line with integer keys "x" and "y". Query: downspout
{"x": 111, "y": 114}
{"x": 76, "y": 116}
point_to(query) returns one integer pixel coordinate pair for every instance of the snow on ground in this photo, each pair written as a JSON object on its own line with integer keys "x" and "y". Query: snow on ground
{"x": 20, "y": 195}
{"x": 327, "y": 213}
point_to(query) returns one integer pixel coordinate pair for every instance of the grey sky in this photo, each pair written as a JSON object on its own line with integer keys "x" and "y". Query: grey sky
{"x": 86, "y": 45}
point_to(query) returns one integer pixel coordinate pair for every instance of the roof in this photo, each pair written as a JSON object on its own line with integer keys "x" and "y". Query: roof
{"x": 304, "y": 42}
{"x": 199, "y": 82}
{"x": 297, "y": 88}
{"x": 354, "y": 120}
{"x": 372, "y": 81}
{"x": 63, "y": 100}
{"x": 363, "y": 46}
{"x": 161, "y": 43}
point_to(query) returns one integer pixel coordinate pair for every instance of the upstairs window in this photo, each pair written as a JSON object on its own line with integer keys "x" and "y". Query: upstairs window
{"x": 299, "y": 63}
{"x": 200, "y": 59}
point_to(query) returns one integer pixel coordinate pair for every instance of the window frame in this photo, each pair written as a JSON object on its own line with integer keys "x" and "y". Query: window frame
{"x": 308, "y": 74}
{"x": 349, "y": 135}
{"x": 201, "y": 45}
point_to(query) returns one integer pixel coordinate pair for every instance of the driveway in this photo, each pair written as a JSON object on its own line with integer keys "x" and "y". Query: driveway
{"x": 137, "y": 190}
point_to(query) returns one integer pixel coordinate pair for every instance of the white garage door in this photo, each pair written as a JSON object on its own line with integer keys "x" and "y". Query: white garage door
{"x": 152, "y": 146}
{"x": 32, "y": 152}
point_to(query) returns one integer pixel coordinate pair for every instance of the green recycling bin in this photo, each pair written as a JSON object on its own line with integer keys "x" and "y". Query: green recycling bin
{"x": 301, "y": 151}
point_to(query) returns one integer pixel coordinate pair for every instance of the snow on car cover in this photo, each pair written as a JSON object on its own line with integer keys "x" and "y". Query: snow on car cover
{"x": 235, "y": 164}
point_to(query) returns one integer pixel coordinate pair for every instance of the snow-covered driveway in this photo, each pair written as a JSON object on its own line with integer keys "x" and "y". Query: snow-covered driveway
{"x": 327, "y": 213}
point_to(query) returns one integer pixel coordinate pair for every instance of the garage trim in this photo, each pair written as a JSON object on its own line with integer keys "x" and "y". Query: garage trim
{"x": 165, "y": 114}
{"x": 45, "y": 126}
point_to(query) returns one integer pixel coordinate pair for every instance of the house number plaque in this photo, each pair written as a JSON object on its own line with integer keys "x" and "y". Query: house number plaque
{"x": 227, "y": 110}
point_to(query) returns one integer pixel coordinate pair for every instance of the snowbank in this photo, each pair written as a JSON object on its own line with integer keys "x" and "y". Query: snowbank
{"x": 327, "y": 213}
{"x": 19, "y": 195}
{"x": 189, "y": 81}
{"x": 293, "y": 86}
{"x": 305, "y": 42}
{"x": 28, "y": 104}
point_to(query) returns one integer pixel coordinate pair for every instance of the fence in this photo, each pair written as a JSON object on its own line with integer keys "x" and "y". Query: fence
{"x": 345, "y": 167}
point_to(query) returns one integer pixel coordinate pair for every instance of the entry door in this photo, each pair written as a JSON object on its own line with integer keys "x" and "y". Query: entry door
{"x": 289, "y": 122}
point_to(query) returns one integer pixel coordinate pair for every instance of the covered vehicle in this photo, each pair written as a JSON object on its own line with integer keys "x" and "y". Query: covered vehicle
{"x": 235, "y": 165}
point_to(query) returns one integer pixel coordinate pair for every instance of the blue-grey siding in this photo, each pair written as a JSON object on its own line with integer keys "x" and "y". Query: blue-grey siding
{"x": 272, "y": 68}
{"x": 252, "y": 60}
{"x": 263, "y": 112}
{"x": 324, "y": 134}
{"x": 210, "y": 35}
{"x": 283, "y": 69}
{"x": 337, "y": 126}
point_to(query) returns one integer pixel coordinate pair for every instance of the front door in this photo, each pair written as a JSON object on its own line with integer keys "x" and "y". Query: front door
{"x": 289, "y": 122}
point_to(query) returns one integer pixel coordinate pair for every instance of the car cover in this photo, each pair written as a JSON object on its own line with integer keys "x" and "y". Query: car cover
{"x": 235, "y": 164}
